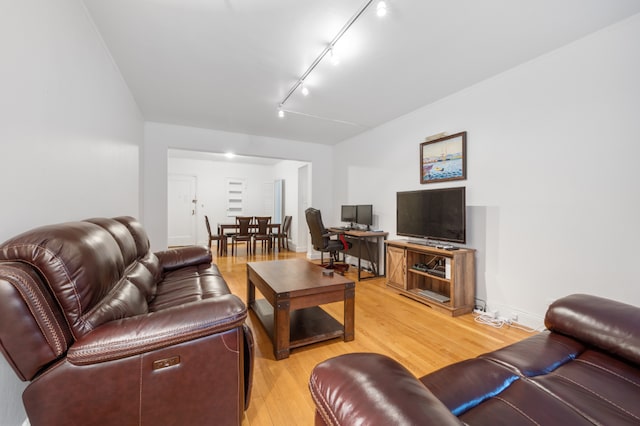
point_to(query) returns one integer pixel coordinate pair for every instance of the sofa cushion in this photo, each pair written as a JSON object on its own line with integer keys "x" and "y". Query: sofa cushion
{"x": 137, "y": 232}
{"x": 189, "y": 284}
{"x": 598, "y": 387}
{"x": 124, "y": 300}
{"x": 121, "y": 234}
{"x": 523, "y": 403}
{"x": 539, "y": 354}
{"x": 466, "y": 384}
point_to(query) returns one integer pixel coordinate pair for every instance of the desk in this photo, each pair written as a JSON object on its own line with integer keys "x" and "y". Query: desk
{"x": 222, "y": 227}
{"x": 364, "y": 238}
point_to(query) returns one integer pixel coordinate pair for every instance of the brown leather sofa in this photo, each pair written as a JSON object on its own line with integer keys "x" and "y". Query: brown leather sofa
{"x": 109, "y": 333}
{"x": 583, "y": 370}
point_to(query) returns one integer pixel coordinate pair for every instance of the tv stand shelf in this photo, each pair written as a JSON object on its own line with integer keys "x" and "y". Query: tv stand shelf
{"x": 441, "y": 279}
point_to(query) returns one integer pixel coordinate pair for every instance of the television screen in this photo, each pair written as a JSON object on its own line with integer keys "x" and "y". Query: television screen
{"x": 437, "y": 214}
{"x": 348, "y": 214}
{"x": 364, "y": 214}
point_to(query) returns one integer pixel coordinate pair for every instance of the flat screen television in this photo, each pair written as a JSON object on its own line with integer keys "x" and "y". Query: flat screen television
{"x": 348, "y": 214}
{"x": 433, "y": 214}
{"x": 364, "y": 214}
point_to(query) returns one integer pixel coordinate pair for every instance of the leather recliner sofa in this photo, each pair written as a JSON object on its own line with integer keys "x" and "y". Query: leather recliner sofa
{"x": 583, "y": 370}
{"x": 109, "y": 333}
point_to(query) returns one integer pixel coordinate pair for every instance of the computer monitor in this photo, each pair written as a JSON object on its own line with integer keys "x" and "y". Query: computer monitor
{"x": 348, "y": 214}
{"x": 364, "y": 214}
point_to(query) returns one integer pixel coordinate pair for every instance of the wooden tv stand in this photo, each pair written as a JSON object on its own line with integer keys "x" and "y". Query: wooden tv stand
{"x": 448, "y": 275}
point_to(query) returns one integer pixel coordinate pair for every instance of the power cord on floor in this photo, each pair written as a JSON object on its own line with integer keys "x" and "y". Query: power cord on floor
{"x": 488, "y": 318}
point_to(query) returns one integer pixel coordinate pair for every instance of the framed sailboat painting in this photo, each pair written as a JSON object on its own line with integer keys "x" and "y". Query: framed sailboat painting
{"x": 444, "y": 159}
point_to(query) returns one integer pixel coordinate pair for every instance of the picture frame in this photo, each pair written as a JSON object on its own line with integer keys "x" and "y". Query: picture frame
{"x": 444, "y": 159}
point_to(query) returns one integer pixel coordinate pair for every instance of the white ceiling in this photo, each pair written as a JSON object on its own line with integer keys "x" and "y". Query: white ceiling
{"x": 226, "y": 64}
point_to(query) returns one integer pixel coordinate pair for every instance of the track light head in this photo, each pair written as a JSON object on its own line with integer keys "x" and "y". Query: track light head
{"x": 304, "y": 89}
{"x": 381, "y": 8}
{"x": 280, "y": 112}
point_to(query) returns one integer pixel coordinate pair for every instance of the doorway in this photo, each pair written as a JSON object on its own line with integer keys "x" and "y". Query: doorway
{"x": 213, "y": 171}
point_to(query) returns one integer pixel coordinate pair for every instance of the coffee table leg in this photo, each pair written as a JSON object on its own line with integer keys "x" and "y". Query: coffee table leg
{"x": 281, "y": 328}
{"x": 349, "y": 312}
{"x": 251, "y": 291}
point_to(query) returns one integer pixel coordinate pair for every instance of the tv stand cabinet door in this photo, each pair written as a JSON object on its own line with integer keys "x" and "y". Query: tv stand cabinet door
{"x": 396, "y": 267}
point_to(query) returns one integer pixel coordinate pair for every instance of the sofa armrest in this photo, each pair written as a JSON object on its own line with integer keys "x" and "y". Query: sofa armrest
{"x": 143, "y": 333}
{"x": 609, "y": 325}
{"x": 372, "y": 389}
{"x": 183, "y": 256}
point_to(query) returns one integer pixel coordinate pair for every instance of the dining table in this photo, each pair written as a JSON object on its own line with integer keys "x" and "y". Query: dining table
{"x": 229, "y": 228}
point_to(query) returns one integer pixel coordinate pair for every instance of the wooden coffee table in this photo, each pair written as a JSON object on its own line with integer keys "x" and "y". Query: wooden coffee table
{"x": 293, "y": 289}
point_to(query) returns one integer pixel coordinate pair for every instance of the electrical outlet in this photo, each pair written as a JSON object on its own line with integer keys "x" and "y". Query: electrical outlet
{"x": 493, "y": 313}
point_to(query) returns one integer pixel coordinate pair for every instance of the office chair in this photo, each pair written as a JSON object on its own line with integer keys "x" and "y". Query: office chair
{"x": 322, "y": 241}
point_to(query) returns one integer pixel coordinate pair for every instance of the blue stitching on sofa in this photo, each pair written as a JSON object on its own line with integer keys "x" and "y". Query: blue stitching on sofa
{"x": 477, "y": 401}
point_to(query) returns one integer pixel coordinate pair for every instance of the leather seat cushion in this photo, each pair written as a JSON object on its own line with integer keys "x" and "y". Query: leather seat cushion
{"x": 187, "y": 285}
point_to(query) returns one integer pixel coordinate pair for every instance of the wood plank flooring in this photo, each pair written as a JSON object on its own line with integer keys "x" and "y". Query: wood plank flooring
{"x": 418, "y": 337}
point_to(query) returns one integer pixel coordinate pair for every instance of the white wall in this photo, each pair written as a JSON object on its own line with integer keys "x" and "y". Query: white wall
{"x": 552, "y": 172}
{"x": 160, "y": 137}
{"x": 70, "y": 132}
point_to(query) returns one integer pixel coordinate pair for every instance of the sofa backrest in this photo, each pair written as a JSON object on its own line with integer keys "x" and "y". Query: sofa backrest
{"x": 595, "y": 321}
{"x": 62, "y": 281}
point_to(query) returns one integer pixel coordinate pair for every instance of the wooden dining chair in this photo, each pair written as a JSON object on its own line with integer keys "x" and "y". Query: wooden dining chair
{"x": 281, "y": 239}
{"x": 221, "y": 239}
{"x": 243, "y": 235}
{"x": 263, "y": 232}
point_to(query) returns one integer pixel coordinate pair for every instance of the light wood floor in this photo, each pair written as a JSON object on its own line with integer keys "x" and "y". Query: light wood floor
{"x": 412, "y": 333}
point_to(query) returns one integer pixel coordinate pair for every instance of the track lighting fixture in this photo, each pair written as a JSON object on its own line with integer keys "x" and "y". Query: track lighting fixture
{"x": 381, "y": 10}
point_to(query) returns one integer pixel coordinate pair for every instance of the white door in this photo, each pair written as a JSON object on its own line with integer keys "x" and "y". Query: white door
{"x": 182, "y": 203}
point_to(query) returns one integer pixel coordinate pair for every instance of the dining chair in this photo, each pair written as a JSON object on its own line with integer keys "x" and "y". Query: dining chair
{"x": 282, "y": 238}
{"x": 243, "y": 235}
{"x": 221, "y": 239}
{"x": 262, "y": 233}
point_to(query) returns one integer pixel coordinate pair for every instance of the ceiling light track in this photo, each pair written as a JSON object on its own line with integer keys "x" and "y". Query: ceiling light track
{"x": 333, "y": 120}
{"x": 324, "y": 53}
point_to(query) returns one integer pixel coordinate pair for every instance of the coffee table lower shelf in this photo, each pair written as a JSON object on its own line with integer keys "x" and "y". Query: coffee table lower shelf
{"x": 308, "y": 325}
